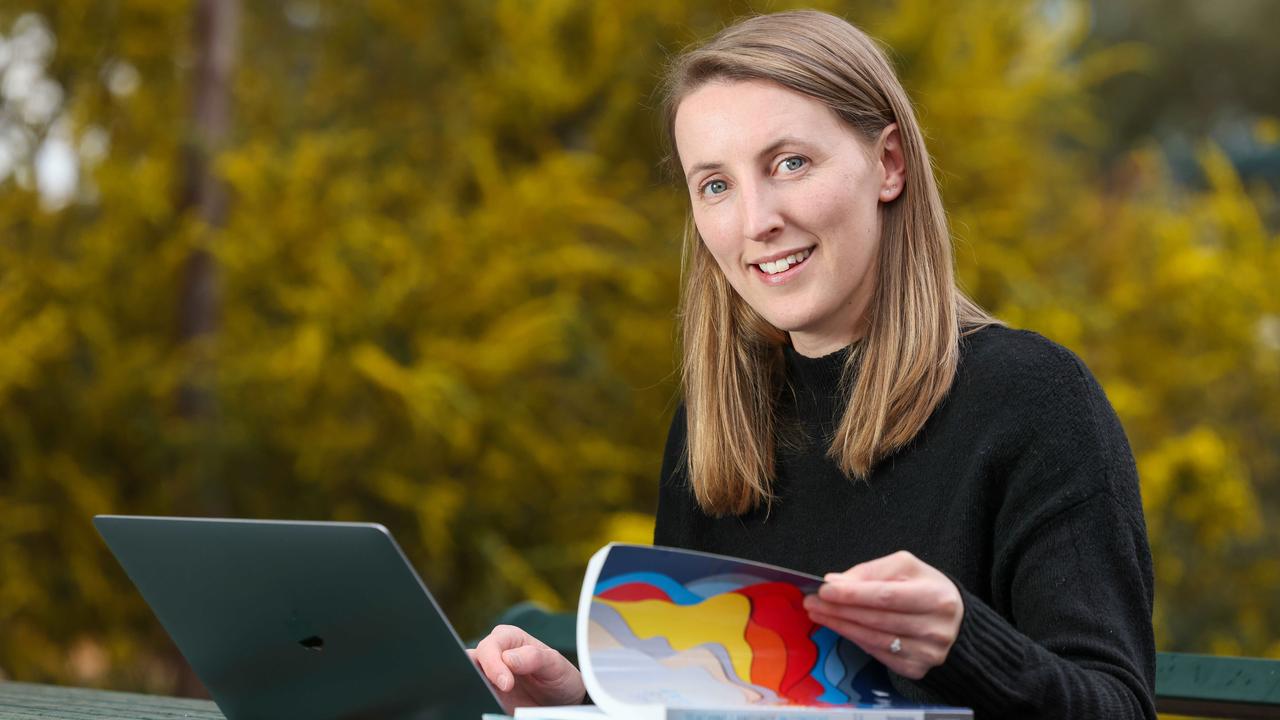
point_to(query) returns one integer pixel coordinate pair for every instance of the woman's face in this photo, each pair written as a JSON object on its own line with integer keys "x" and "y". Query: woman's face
{"x": 786, "y": 197}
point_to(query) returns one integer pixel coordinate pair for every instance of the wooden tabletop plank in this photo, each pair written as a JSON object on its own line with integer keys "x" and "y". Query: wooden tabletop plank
{"x": 26, "y": 701}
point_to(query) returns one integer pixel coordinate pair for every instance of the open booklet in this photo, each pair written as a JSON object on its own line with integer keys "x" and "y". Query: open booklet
{"x": 667, "y": 634}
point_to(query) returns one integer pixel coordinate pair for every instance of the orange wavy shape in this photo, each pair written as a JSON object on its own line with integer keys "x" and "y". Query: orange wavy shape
{"x": 768, "y": 655}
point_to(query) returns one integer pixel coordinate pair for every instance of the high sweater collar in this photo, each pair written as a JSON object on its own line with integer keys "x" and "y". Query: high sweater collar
{"x": 815, "y": 385}
{"x": 820, "y": 375}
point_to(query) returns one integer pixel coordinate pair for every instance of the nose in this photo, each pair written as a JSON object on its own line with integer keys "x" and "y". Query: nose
{"x": 761, "y": 212}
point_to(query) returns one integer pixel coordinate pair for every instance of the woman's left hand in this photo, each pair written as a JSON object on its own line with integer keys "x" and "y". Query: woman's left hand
{"x": 901, "y": 610}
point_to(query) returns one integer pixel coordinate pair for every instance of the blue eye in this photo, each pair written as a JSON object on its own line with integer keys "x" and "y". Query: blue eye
{"x": 793, "y": 163}
{"x": 715, "y": 187}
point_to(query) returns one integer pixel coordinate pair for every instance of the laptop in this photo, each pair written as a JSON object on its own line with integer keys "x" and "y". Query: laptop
{"x": 316, "y": 620}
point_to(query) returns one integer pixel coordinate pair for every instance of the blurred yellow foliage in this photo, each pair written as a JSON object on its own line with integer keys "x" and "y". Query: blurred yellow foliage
{"x": 447, "y": 287}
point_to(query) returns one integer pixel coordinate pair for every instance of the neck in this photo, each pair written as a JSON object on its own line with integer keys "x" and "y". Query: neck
{"x": 816, "y": 345}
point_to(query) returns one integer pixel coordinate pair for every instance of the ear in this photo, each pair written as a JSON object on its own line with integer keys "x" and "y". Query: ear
{"x": 893, "y": 163}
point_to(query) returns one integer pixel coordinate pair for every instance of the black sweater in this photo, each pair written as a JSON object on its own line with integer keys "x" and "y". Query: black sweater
{"x": 1021, "y": 487}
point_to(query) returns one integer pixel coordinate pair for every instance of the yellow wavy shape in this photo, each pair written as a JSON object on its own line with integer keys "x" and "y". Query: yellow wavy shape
{"x": 721, "y": 619}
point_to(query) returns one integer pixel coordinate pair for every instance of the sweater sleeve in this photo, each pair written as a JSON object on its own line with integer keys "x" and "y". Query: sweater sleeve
{"x": 1072, "y": 574}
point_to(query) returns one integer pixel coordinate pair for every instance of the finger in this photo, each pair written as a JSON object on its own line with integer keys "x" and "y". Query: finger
{"x": 490, "y": 662}
{"x": 911, "y": 661}
{"x": 870, "y": 639}
{"x": 897, "y": 566}
{"x": 541, "y": 662}
{"x": 893, "y": 623}
{"x": 510, "y": 636}
{"x": 908, "y": 596}
{"x": 496, "y": 673}
{"x": 488, "y": 654}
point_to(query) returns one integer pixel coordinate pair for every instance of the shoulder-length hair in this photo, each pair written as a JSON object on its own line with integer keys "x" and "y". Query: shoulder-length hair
{"x": 732, "y": 365}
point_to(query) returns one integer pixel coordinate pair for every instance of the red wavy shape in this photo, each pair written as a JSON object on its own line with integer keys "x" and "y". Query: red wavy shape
{"x": 632, "y": 592}
{"x": 779, "y": 607}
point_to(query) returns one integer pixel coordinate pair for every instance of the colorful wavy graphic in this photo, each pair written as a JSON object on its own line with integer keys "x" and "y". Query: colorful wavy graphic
{"x": 735, "y": 631}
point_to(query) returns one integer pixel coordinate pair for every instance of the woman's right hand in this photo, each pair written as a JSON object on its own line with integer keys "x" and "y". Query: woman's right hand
{"x": 525, "y": 671}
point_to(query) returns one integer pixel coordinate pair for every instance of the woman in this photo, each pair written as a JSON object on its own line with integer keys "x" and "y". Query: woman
{"x": 848, "y": 409}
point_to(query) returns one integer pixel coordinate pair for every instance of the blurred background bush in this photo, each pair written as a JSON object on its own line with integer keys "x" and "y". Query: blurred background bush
{"x": 415, "y": 262}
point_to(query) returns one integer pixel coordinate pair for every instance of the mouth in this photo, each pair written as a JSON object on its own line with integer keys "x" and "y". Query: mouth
{"x": 782, "y": 269}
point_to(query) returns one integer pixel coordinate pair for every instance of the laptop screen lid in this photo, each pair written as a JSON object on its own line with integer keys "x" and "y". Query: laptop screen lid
{"x": 291, "y": 619}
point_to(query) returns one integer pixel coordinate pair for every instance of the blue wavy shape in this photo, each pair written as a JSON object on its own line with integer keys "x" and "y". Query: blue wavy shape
{"x": 678, "y": 593}
{"x": 828, "y": 662}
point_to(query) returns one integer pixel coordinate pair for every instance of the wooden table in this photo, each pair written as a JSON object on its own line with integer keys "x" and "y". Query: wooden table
{"x": 1186, "y": 684}
{"x": 25, "y": 701}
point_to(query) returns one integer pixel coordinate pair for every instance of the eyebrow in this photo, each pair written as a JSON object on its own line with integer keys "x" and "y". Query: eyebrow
{"x": 772, "y": 148}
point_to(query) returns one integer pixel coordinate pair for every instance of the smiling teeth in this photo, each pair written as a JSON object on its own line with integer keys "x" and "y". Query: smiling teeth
{"x": 777, "y": 266}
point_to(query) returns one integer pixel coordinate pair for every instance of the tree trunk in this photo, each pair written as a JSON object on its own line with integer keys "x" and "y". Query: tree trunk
{"x": 215, "y": 45}
{"x": 215, "y": 50}
{"x": 202, "y": 193}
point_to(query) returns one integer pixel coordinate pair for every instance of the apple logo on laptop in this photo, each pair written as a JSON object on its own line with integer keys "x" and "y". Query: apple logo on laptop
{"x": 298, "y": 627}
{"x": 315, "y": 643}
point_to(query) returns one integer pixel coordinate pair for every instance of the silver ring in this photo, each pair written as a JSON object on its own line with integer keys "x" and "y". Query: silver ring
{"x": 895, "y": 647}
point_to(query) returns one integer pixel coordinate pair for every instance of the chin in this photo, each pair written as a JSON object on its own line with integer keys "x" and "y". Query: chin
{"x": 786, "y": 323}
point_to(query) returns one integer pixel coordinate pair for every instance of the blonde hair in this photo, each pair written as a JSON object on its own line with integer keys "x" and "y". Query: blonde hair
{"x": 732, "y": 368}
